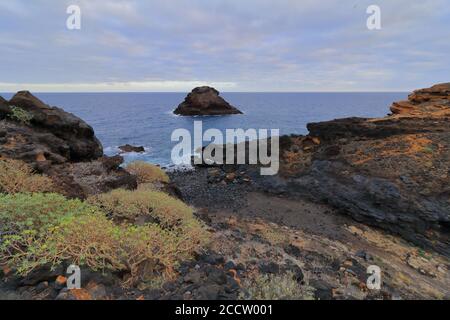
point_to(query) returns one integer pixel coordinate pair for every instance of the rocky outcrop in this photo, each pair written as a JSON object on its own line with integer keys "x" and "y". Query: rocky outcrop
{"x": 58, "y": 144}
{"x": 392, "y": 173}
{"x": 52, "y": 133}
{"x": 205, "y": 101}
{"x": 129, "y": 148}
{"x": 434, "y": 101}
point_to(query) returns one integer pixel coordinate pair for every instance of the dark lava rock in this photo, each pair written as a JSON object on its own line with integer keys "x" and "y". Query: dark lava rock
{"x": 295, "y": 270}
{"x": 60, "y": 145}
{"x": 217, "y": 276}
{"x": 5, "y": 110}
{"x": 213, "y": 258}
{"x": 323, "y": 289}
{"x": 41, "y": 275}
{"x": 292, "y": 250}
{"x": 391, "y": 173}
{"x": 205, "y": 101}
{"x": 62, "y": 134}
{"x": 364, "y": 255}
{"x": 270, "y": 267}
{"x": 193, "y": 277}
{"x": 229, "y": 265}
{"x": 129, "y": 148}
{"x": 209, "y": 292}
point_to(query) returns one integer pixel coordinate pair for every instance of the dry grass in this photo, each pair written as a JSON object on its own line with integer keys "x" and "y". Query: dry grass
{"x": 147, "y": 173}
{"x": 17, "y": 176}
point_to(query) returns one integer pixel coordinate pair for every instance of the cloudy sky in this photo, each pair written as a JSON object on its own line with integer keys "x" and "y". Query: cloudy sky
{"x": 235, "y": 45}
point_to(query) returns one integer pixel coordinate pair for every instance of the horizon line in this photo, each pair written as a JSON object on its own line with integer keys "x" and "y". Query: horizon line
{"x": 96, "y": 92}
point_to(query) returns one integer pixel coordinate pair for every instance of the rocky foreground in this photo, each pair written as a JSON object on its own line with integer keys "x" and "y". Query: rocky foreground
{"x": 353, "y": 193}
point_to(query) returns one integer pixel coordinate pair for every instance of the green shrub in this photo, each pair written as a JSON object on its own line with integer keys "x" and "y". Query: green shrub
{"x": 147, "y": 173}
{"x": 27, "y": 222}
{"x": 20, "y": 115}
{"x": 153, "y": 206}
{"x": 276, "y": 287}
{"x": 150, "y": 252}
{"x": 87, "y": 240}
{"x": 48, "y": 229}
{"x": 17, "y": 176}
{"x": 37, "y": 211}
{"x": 168, "y": 217}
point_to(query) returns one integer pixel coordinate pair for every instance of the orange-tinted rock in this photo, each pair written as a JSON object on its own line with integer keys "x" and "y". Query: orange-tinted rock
{"x": 96, "y": 291}
{"x": 6, "y": 270}
{"x": 434, "y": 101}
{"x": 80, "y": 294}
{"x": 391, "y": 172}
{"x": 61, "y": 280}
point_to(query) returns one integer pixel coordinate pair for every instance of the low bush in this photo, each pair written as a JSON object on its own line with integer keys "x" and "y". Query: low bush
{"x": 28, "y": 222}
{"x": 17, "y": 176}
{"x": 153, "y": 206}
{"x": 20, "y": 115}
{"x": 146, "y": 172}
{"x": 37, "y": 211}
{"x": 150, "y": 252}
{"x": 276, "y": 287}
{"x": 47, "y": 229}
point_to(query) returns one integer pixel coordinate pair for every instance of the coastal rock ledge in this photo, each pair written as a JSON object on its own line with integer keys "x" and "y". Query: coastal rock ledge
{"x": 205, "y": 101}
{"x": 59, "y": 145}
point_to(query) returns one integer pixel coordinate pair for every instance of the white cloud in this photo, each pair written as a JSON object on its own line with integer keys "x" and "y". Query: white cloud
{"x": 261, "y": 45}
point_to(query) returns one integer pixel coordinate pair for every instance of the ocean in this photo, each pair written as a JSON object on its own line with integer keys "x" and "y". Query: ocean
{"x": 146, "y": 119}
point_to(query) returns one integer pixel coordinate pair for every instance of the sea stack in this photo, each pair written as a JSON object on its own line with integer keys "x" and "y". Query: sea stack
{"x": 205, "y": 101}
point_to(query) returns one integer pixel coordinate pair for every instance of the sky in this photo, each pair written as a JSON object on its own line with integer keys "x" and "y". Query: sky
{"x": 233, "y": 45}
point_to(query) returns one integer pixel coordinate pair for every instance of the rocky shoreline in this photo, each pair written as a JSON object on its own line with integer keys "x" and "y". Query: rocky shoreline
{"x": 353, "y": 193}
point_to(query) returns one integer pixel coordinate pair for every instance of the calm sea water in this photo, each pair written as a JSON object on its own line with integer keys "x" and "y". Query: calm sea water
{"x": 146, "y": 118}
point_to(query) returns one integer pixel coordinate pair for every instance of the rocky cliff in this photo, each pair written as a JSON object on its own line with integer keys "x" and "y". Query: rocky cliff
{"x": 392, "y": 173}
{"x": 58, "y": 144}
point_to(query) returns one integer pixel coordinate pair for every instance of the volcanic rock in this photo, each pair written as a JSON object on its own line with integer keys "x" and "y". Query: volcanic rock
{"x": 129, "y": 148}
{"x": 60, "y": 145}
{"x": 4, "y": 108}
{"x": 392, "y": 172}
{"x": 434, "y": 101}
{"x": 205, "y": 101}
{"x": 59, "y": 135}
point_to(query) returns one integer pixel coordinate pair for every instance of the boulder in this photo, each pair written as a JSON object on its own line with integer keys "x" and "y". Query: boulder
{"x": 129, "y": 148}
{"x": 60, "y": 145}
{"x": 205, "y": 101}
{"x": 78, "y": 136}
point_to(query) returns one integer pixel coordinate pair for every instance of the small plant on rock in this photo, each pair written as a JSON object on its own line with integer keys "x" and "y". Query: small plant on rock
{"x": 20, "y": 115}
